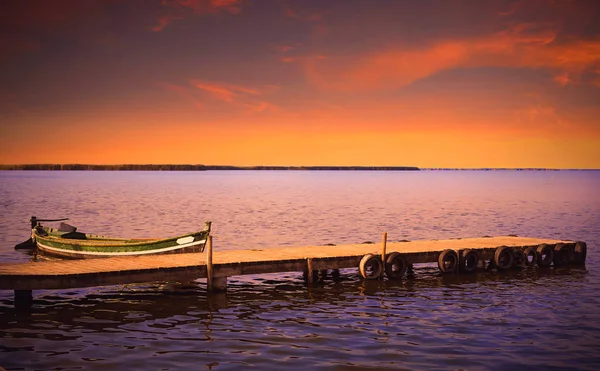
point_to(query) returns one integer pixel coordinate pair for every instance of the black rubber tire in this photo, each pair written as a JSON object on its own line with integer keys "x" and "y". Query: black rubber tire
{"x": 503, "y": 258}
{"x": 571, "y": 246}
{"x": 448, "y": 261}
{"x": 315, "y": 276}
{"x": 545, "y": 255}
{"x": 562, "y": 254}
{"x": 531, "y": 256}
{"x": 370, "y": 267}
{"x": 322, "y": 275}
{"x": 520, "y": 259}
{"x": 395, "y": 266}
{"x": 579, "y": 252}
{"x": 335, "y": 274}
{"x": 468, "y": 261}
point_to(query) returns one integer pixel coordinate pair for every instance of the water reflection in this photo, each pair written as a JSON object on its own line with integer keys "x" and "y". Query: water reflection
{"x": 531, "y": 319}
{"x": 254, "y": 320}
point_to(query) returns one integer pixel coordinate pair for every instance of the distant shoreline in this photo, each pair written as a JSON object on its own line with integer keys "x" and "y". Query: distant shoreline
{"x": 186, "y": 167}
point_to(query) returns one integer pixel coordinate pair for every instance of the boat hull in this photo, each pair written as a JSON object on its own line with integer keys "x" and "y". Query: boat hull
{"x": 85, "y": 246}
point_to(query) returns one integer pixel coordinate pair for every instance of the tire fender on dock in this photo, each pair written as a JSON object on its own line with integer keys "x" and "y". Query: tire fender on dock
{"x": 579, "y": 252}
{"x": 520, "y": 259}
{"x": 448, "y": 261}
{"x": 370, "y": 267}
{"x": 468, "y": 261}
{"x": 545, "y": 255}
{"x": 395, "y": 266}
{"x": 562, "y": 254}
{"x": 531, "y": 256}
{"x": 503, "y": 258}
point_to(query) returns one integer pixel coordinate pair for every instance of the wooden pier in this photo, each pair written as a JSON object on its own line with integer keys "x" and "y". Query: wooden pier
{"x": 391, "y": 259}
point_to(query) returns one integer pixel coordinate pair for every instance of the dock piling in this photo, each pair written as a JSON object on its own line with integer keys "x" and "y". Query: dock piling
{"x": 213, "y": 284}
{"x": 209, "y": 264}
{"x": 219, "y": 284}
{"x": 383, "y": 248}
{"x": 23, "y": 300}
{"x": 310, "y": 276}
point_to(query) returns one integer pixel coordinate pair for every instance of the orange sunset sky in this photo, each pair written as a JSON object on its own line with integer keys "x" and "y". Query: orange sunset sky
{"x": 447, "y": 83}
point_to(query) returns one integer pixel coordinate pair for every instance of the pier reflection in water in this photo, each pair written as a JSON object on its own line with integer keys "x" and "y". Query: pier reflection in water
{"x": 278, "y": 318}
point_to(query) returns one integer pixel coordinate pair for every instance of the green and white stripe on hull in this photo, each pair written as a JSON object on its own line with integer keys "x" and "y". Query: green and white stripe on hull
{"x": 82, "y": 253}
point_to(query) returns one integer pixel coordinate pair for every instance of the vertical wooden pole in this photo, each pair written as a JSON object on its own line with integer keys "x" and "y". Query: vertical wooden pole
{"x": 383, "y": 247}
{"x": 310, "y": 274}
{"x": 209, "y": 266}
{"x": 23, "y": 300}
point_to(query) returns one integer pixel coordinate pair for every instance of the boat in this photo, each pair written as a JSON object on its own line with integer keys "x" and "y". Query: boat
{"x": 66, "y": 242}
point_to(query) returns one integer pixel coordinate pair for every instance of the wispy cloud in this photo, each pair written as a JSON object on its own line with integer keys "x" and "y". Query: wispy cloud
{"x": 284, "y": 48}
{"x": 203, "y": 94}
{"x": 511, "y": 9}
{"x": 304, "y": 15}
{"x": 179, "y": 9}
{"x": 261, "y": 107}
{"x": 184, "y": 92}
{"x": 596, "y": 80}
{"x": 563, "y": 79}
{"x": 286, "y": 52}
{"x": 521, "y": 46}
{"x": 232, "y": 6}
{"x": 222, "y": 91}
{"x": 164, "y": 21}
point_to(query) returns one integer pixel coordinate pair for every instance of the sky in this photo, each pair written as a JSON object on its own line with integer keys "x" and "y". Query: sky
{"x": 427, "y": 83}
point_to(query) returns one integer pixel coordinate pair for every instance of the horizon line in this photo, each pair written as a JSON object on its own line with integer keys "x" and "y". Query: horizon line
{"x": 202, "y": 167}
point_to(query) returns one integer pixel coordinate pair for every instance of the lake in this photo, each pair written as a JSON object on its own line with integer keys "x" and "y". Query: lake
{"x": 546, "y": 319}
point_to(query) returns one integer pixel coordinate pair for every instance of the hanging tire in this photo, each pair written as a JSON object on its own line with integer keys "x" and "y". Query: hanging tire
{"x": 448, "y": 261}
{"x": 335, "y": 274}
{"x": 395, "y": 266}
{"x": 468, "y": 261}
{"x": 503, "y": 258}
{"x": 370, "y": 267}
{"x": 562, "y": 254}
{"x": 531, "y": 256}
{"x": 322, "y": 274}
{"x": 579, "y": 252}
{"x": 545, "y": 255}
{"x": 520, "y": 259}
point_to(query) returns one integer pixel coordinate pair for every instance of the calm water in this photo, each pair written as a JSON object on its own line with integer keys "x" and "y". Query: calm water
{"x": 532, "y": 319}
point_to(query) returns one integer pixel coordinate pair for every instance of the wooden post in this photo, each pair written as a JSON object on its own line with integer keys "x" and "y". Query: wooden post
{"x": 219, "y": 284}
{"x": 23, "y": 300}
{"x": 384, "y": 245}
{"x": 209, "y": 267}
{"x": 310, "y": 275}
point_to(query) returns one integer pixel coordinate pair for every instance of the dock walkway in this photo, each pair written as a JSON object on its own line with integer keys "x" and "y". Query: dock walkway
{"x": 217, "y": 265}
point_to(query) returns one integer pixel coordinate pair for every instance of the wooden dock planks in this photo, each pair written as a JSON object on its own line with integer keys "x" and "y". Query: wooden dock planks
{"x": 177, "y": 267}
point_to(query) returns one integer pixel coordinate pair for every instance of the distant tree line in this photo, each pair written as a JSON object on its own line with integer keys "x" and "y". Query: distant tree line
{"x": 124, "y": 167}
{"x": 163, "y": 167}
{"x": 221, "y": 167}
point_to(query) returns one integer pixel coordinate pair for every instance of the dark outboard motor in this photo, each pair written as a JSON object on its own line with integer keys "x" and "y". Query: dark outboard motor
{"x": 30, "y": 244}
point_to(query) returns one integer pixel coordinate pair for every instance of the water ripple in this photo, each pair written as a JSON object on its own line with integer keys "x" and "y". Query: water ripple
{"x": 533, "y": 319}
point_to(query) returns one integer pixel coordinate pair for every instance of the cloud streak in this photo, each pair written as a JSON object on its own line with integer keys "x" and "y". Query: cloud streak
{"x": 222, "y": 91}
{"x": 522, "y": 46}
{"x": 304, "y": 16}
{"x": 203, "y": 94}
{"x": 179, "y": 9}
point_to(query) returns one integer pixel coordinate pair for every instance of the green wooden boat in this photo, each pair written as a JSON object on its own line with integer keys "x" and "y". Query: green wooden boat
{"x": 67, "y": 242}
